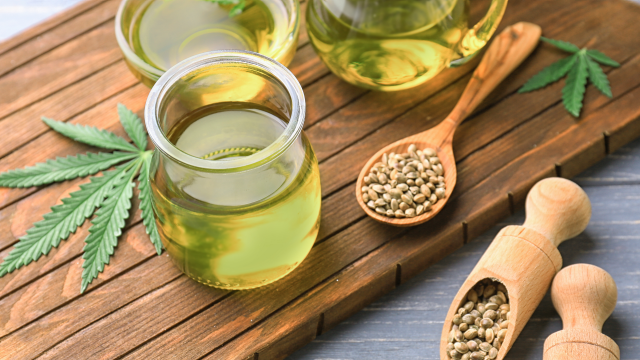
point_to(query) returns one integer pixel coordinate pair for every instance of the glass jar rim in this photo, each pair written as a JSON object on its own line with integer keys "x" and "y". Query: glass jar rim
{"x": 291, "y": 132}
{"x": 130, "y": 55}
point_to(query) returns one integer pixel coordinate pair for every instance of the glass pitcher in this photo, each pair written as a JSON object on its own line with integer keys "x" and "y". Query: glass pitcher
{"x": 392, "y": 45}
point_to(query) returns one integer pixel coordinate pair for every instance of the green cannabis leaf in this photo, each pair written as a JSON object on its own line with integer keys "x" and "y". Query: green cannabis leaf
{"x": 111, "y": 193}
{"x": 579, "y": 67}
{"x": 107, "y": 226}
{"x": 146, "y": 208}
{"x": 238, "y": 7}
{"x": 573, "y": 90}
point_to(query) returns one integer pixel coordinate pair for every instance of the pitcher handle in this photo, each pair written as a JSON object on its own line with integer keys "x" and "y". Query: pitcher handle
{"x": 478, "y": 36}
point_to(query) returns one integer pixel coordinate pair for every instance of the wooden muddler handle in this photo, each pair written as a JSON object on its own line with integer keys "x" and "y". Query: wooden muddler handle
{"x": 584, "y": 296}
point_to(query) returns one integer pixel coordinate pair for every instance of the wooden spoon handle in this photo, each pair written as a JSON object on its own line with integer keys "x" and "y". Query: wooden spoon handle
{"x": 504, "y": 54}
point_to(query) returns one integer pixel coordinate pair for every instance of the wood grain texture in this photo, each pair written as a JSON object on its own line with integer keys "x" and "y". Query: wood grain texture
{"x": 355, "y": 260}
{"x": 47, "y": 25}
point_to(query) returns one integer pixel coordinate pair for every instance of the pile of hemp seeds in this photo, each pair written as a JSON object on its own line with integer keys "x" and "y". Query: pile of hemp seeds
{"x": 481, "y": 324}
{"x": 405, "y": 185}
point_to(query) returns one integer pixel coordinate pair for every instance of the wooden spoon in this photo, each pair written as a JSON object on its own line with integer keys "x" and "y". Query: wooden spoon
{"x": 504, "y": 54}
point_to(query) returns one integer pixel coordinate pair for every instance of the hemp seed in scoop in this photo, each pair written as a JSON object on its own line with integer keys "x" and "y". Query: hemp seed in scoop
{"x": 405, "y": 185}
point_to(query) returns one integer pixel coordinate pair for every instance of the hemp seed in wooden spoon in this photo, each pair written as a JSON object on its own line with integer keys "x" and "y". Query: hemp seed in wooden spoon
{"x": 504, "y": 54}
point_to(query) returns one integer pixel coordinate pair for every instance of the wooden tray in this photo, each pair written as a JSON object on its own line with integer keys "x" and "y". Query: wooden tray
{"x": 141, "y": 307}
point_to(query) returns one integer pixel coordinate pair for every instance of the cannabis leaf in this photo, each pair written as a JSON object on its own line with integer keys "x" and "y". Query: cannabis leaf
{"x": 133, "y": 126}
{"x": 573, "y": 90}
{"x": 91, "y": 135}
{"x": 602, "y": 58}
{"x": 107, "y": 226}
{"x": 111, "y": 193}
{"x": 562, "y": 45}
{"x": 239, "y": 5}
{"x": 549, "y": 74}
{"x": 146, "y": 209}
{"x": 62, "y": 169}
{"x": 60, "y": 222}
{"x": 598, "y": 78}
{"x": 580, "y": 66}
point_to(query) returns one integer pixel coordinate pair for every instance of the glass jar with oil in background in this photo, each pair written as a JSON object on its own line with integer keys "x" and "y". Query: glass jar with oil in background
{"x": 392, "y": 45}
{"x": 157, "y": 34}
{"x": 236, "y": 185}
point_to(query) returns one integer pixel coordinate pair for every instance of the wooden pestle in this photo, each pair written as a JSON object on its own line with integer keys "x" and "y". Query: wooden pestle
{"x": 585, "y": 296}
{"x": 525, "y": 258}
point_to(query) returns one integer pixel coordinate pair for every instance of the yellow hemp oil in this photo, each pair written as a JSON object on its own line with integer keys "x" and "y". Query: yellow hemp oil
{"x": 388, "y": 44}
{"x": 239, "y": 230}
{"x": 165, "y": 32}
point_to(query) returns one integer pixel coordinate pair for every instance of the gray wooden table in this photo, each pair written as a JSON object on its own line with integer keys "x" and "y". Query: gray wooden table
{"x": 406, "y": 323}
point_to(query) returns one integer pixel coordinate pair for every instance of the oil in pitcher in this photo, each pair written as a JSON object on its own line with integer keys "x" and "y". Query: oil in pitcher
{"x": 395, "y": 44}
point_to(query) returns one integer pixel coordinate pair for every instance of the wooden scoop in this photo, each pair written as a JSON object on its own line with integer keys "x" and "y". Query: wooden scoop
{"x": 585, "y": 297}
{"x": 505, "y": 53}
{"x": 525, "y": 258}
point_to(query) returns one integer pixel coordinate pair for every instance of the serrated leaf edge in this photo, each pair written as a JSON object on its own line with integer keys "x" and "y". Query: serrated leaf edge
{"x": 602, "y": 58}
{"x": 90, "y": 135}
{"x": 60, "y": 169}
{"x": 545, "y": 76}
{"x": 598, "y": 78}
{"x": 146, "y": 206}
{"x": 106, "y": 226}
{"x": 573, "y": 91}
{"x": 35, "y": 244}
{"x": 133, "y": 126}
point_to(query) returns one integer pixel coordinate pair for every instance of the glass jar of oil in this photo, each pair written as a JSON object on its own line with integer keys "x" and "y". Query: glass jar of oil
{"x": 236, "y": 186}
{"x": 392, "y": 45}
{"x": 154, "y": 35}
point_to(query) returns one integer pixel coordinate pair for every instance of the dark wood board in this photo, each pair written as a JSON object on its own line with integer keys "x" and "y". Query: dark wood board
{"x": 142, "y": 307}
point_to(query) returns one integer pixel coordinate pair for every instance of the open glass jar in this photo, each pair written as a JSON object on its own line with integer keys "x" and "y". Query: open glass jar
{"x": 157, "y": 34}
{"x": 236, "y": 186}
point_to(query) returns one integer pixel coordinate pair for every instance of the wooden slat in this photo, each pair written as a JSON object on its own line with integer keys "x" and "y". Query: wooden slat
{"x": 51, "y": 39}
{"x": 25, "y": 125}
{"x": 135, "y": 284}
{"x": 307, "y": 66}
{"x": 48, "y": 25}
{"x": 55, "y": 295}
{"x": 326, "y": 96}
{"x": 58, "y": 68}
